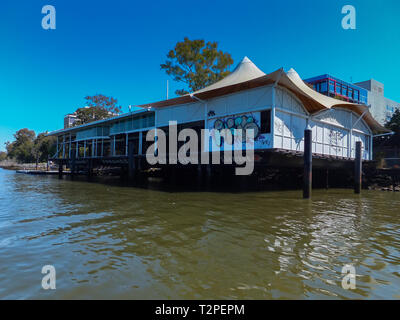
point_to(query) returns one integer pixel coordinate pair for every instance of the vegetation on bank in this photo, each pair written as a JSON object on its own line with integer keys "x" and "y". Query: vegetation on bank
{"x": 394, "y": 125}
{"x": 29, "y": 148}
{"x": 388, "y": 146}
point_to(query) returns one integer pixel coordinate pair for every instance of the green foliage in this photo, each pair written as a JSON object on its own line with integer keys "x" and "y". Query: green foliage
{"x": 98, "y": 107}
{"x": 3, "y": 155}
{"x": 21, "y": 148}
{"x": 44, "y": 147}
{"x": 27, "y": 148}
{"x": 394, "y": 125}
{"x": 196, "y": 63}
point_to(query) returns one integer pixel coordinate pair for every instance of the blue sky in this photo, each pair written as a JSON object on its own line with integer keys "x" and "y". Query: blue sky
{"x": 116, "y": 48}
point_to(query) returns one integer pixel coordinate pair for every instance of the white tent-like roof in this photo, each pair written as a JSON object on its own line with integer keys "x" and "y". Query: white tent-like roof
{"x": 247, "y": 75}
{"x": 246, "y": 70}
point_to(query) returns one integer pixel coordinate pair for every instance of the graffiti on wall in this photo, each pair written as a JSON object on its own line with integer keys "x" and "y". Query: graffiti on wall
{"x": 242, "y": 122}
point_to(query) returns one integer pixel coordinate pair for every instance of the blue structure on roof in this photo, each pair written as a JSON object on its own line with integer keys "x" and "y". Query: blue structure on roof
{"x": 336, "y": 88}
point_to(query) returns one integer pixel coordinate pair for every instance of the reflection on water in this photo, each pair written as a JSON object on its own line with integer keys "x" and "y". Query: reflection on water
{"x": 110, "y": 241}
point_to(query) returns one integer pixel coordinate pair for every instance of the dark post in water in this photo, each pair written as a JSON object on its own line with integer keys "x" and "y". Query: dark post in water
{"x": 307, "y": 178}
{"x": 131, "y": 161}
{"x": 73, "y": 168}
{"x": 60, "y": 170}
{"x": 358, "y": 169}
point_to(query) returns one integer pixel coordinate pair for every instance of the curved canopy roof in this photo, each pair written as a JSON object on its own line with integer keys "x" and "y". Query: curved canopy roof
{"x": 246, "y": 70}
{"x": 247, "y": 75}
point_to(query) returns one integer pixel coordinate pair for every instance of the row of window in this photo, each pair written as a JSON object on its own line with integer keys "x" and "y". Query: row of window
{"x": 341, "y": 89}
{"x": 133, "y": 124}
{"x": 93, "y": 132}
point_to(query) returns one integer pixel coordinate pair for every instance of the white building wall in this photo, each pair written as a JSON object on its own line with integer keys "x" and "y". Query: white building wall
{"x": 182, "y": 113}
{"x": 241, "y": 102}
{"x": 290, "y": 121}
{"x": 332, "y": 130}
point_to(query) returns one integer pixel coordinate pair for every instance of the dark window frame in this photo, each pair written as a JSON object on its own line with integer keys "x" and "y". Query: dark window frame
{"x": 265, "y": 121}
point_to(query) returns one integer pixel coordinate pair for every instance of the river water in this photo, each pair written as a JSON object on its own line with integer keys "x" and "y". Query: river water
{"x": 107, "y": 240}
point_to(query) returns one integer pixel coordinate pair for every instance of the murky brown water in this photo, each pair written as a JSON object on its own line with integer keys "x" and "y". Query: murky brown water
{"x": 110, "y": 241}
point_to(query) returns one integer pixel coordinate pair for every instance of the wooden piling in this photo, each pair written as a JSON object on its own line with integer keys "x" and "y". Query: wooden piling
{"x": 358, "y": 168}
{"x": 307, "y": 177}
{"x": 394, "y": 183}
{"x": 73, "y": 166}
{"x": 199, "y": 176}
{"x": 173, "y": 176}
{"x": 131, "y": 161}
{"x": 209, "y": 175}
{"x": 90, "y": 169}
{"x": 60, "y": 170}
{"x": 327, "y": 179}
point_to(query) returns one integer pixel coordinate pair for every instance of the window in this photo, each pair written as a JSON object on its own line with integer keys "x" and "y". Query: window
{"x": 338, "y": 88}
{"x": 324, "y": 87}
{"x": 363, "y": 97}
{"x": 389, "y": 108}
{"x": 331, "y": 86}
{"x": 344, "y": 91}
{"x": 350, "y": 93}
{"x": 356, "y": 95}
{"x": 266, "y": 121}
{"x": 135, "y": 123}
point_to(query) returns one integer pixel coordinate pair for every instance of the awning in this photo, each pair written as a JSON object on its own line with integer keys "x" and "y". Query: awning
{"x": 247, "y": 76}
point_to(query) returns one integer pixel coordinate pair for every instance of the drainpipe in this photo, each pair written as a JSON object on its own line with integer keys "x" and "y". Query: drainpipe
{"x": 350, "y": 149}
{"x": 63, "y": 147}
{"x": 70, "y": 145}
{"x": 126, "y": 143}
{"x": 140, "y": 151}
{"x": 205, "y": 111}
{"x": 273, "y": 108}
{"x": 205, "y": 108}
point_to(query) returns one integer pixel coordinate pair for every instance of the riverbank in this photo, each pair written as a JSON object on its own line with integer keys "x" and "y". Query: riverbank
{"x": 381, "y": 179}
{"x": 13, "y": 165}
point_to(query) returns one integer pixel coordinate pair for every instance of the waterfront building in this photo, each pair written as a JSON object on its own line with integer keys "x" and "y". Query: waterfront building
{"x": 370, "y": 93}
{"x": 278, "y": 106}
{"x": 381, "y": 108}
{"x": 69, "y": 120}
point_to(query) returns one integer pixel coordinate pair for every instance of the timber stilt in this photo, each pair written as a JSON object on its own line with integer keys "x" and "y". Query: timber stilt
{"x": 358, "y": 168}
{"x": 307, "y": 177}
